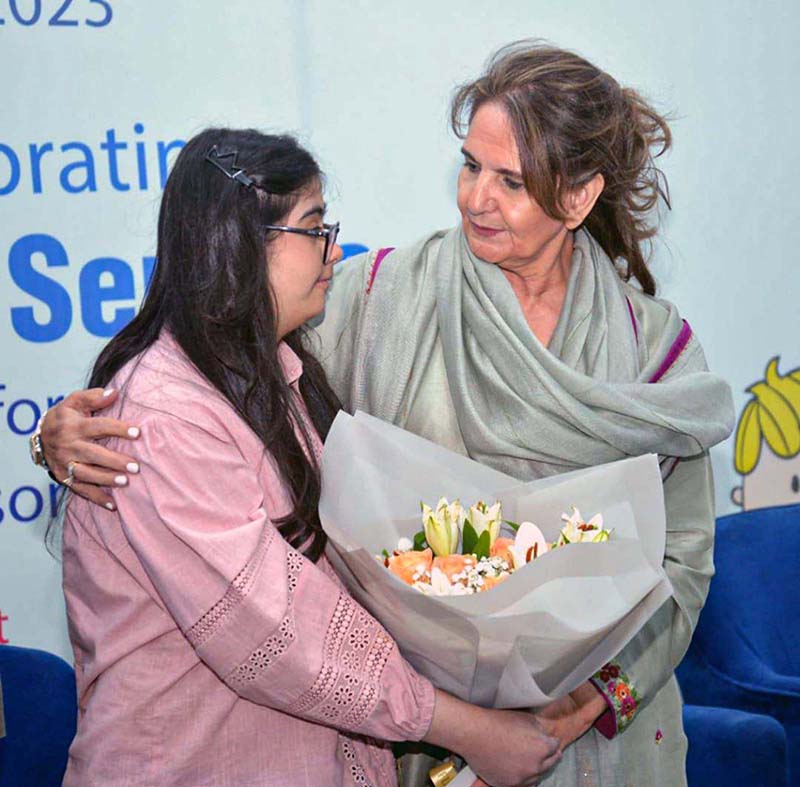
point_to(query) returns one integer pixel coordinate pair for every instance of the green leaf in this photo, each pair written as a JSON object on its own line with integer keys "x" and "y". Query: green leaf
{"x": 419, "y": 541}
{"x": 483, "y": 545}
{"x": 469, "y": 538}
{"x": 384, "y": 553}
{"x": 513, "y": 525}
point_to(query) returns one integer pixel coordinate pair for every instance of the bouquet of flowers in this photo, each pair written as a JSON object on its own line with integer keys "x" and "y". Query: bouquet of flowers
{"x": 545, "y": 627}
{"x": 432, "y": 564}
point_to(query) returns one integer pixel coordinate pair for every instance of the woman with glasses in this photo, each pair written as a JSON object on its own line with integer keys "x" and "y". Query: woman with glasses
{"x": 213, "y": 643}
{"x": 529, "y": 338}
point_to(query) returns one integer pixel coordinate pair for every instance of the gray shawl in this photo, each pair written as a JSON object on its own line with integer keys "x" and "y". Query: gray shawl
{"x": 529, "y": 411}
{"x": 522, "y": 408}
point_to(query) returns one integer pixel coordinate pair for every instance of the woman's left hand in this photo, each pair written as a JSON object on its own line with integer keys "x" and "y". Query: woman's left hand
{"x": 573, "y": 715}
{"x": 570, "y": 717}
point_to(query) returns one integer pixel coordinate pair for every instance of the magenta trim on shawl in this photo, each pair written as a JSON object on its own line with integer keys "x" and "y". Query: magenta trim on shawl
{"x": 678, "y": 346}
{"x": 633, "y": 320}
{"x": 379, "y": 257}
{"x": 669, "y": 463}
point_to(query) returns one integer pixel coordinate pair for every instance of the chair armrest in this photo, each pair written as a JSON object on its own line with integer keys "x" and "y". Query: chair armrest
{"x": 729, "y": 746}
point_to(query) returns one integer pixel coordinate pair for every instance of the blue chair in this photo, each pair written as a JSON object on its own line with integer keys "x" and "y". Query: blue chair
{"x": 732, "y": 747}
{"x": 745, "y": 653}
{"x": 41, "y": 712}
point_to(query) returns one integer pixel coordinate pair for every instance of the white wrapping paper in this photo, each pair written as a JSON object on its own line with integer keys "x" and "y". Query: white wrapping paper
{"x": 547, "y": 628}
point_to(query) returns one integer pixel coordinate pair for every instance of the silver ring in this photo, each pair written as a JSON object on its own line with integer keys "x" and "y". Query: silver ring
{"x": 67, "y": 482}
{"x": 71, "y": 471}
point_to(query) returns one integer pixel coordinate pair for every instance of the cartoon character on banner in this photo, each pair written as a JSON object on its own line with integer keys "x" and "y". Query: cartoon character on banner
{"x": 767, "y": 447}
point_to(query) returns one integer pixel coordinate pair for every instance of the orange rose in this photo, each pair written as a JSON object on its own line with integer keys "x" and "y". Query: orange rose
{"x": 450, "y": 565}
{"x": 622, "y": 691}
{"x": 408, "y": 564}
{"x": 500, "y": 549}
{"x": 490, "y": 582}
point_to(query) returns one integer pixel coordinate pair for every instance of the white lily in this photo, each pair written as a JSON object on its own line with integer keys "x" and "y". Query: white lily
{"x": 576, "y": 530}
{"x": 528, "y": 541}
{"x": 483, "y": 517}
{"x": 457, "y": 513}
{"x": 441, "y": 526}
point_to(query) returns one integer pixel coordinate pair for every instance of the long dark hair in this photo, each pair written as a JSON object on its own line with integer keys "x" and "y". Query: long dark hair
{"x": 210, "y": 290}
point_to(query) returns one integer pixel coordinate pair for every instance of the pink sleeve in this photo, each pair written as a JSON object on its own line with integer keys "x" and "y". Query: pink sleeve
{"x": 274, "y": 627}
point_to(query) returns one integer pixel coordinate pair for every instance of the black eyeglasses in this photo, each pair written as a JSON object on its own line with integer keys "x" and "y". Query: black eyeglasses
{"x": 329, "y": 231}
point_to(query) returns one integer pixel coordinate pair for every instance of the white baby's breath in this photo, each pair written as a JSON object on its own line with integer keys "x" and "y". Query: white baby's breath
{"x": 405, "y": 545}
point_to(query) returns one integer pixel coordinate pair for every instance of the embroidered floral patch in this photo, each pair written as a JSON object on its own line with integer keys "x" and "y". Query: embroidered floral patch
{"x": 619, "y": 690}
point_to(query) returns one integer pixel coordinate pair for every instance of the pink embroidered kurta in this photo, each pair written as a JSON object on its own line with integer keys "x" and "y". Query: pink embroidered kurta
{"x": 207, "y": 650}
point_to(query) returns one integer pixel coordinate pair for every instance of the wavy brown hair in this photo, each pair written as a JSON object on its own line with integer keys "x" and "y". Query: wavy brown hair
{"x": 571, "y": 121}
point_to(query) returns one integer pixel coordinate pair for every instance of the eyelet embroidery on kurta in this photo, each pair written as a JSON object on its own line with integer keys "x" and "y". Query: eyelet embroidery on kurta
{"x": 619, "y": 689}
{"x": 356, "y": 651}
{"x": 274, "y": 646}
{"x": 205, "y": 627}
{"x": 356, "y": 771}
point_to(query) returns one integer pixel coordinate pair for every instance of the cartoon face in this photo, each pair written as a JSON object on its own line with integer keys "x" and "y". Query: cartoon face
{"x": 773, "y": 482}
{"x": 767, "y": 446}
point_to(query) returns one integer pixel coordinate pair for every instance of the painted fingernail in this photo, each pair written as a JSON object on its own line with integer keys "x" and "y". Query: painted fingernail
{"x": 109, "y": 391}
{"x": 111, "y": 507}
{"x": 132, "y": 467}
{"x": 120, "y": 480}
{"x": 133, "y": 431}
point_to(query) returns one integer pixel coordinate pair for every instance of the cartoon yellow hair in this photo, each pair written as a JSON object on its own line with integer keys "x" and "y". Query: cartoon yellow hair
{"x": 772, "y": 414}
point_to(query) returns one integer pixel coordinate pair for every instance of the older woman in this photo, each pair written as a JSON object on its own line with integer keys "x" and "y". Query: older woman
{"x": 529, "y": 338}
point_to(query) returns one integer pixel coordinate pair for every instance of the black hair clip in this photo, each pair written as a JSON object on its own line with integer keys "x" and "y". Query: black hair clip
{"x": 226, "y": 162}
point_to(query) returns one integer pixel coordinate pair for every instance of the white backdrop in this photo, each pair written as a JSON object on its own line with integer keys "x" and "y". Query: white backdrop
{"x": 91, "y": 112}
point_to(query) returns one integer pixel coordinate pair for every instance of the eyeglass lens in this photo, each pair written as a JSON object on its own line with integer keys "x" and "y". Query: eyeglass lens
{"x": 330, "y": 242}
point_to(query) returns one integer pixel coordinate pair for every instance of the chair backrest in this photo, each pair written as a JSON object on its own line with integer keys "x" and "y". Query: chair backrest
{"x": 41, "y": 710}
{"x": 754, "y": 601}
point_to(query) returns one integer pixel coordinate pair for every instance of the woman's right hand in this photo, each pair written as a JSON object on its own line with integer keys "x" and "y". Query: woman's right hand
{"x": 504, "y": 748}
{"x": 69, "y": 434}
